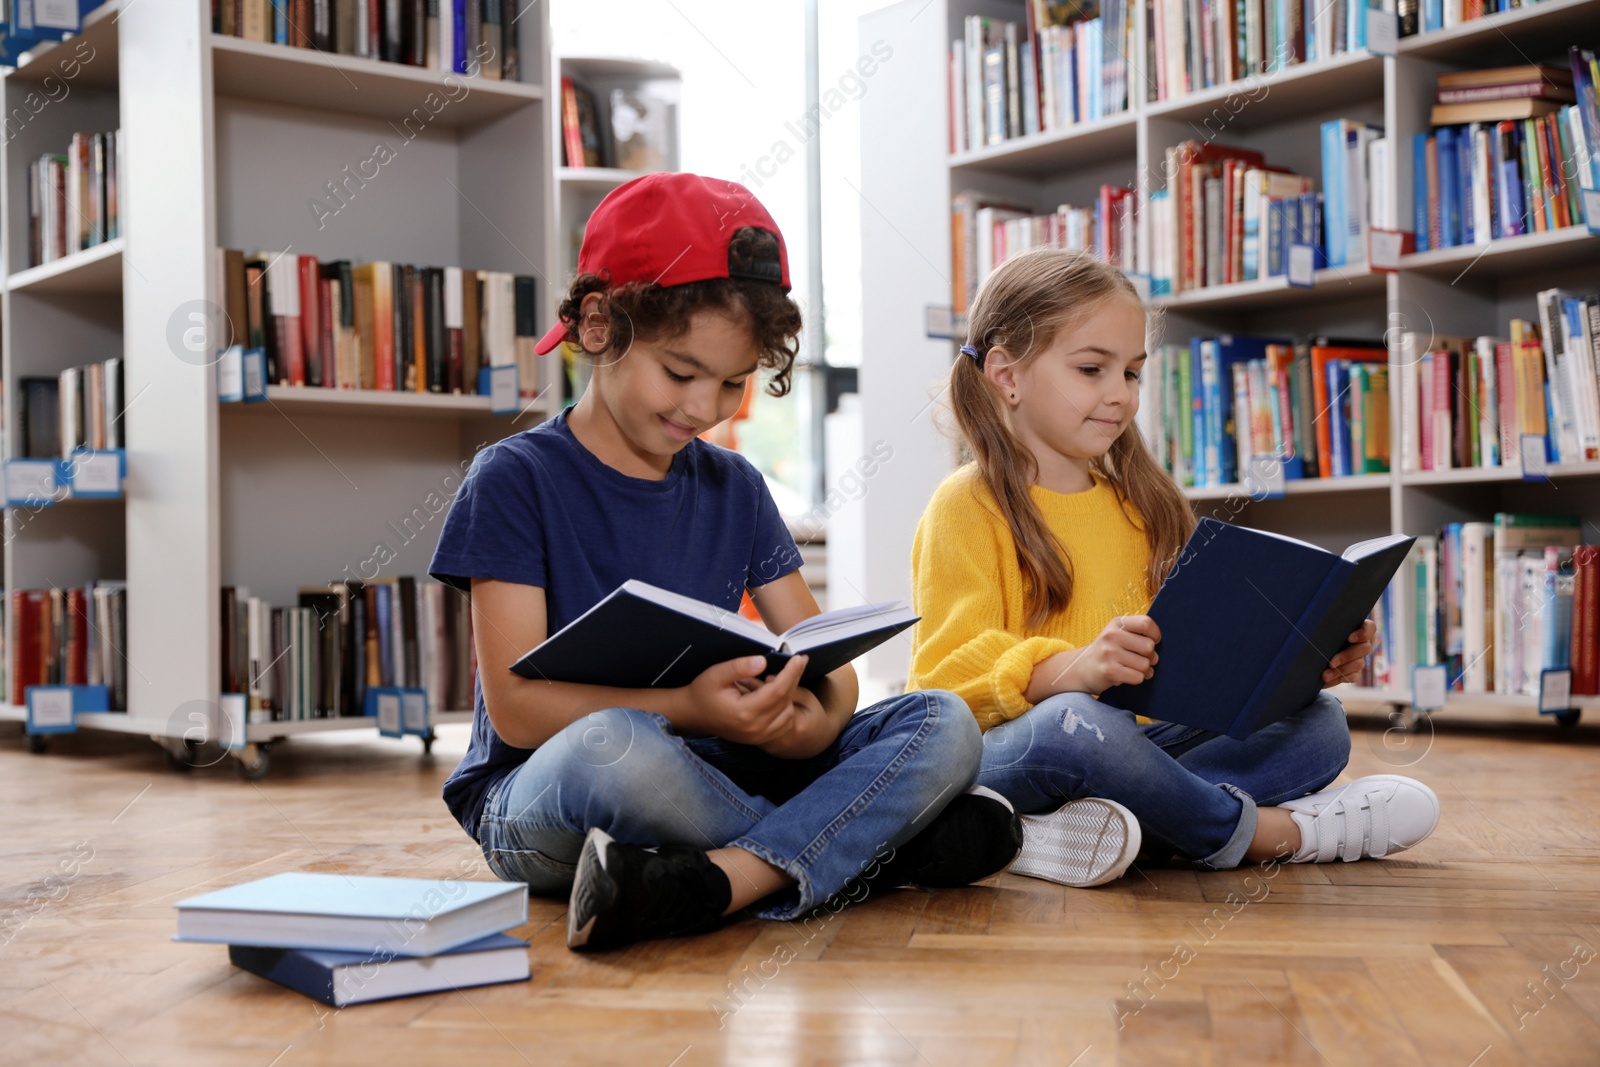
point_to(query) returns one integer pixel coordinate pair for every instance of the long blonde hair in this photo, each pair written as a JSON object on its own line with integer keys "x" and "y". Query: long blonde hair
{"x": 1022, "y": 306}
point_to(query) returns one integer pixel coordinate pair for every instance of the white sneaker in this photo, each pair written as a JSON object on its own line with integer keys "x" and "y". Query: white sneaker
{"x": 1083, "y": 843}
{"x": 1372, "y": 816}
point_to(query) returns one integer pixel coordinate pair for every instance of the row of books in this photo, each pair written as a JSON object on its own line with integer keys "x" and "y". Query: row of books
{"x": 349, "y": 939}
{"x": 1425, "y": 16}
{"x": 1065, "y": 64}
{"x": 1190, "y": 47}
{"x": 475, "y": 37}
{"x": 79, "y": 408}
{"x": 637, "y": 138}
{"x": 387, "y": 326}
{"x": 986, "y": 232}
{"x": 1519, "y": 163}
{"x": 74, "y": 636}
{"x": 316, "y": 659}
{"x": 73, "y": 198}
{"x": 1319, "y": 406}
{"x": 1497, "y": 603}
{"x": 1471, "y": 401}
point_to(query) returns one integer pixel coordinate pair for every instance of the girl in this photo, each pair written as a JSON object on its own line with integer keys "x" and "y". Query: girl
{"x": 1032, "y": 569}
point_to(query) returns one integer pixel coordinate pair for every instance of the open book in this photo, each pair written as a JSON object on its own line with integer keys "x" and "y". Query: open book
{"x": 1249, "y": 621}
{"x": 642, "y": 637}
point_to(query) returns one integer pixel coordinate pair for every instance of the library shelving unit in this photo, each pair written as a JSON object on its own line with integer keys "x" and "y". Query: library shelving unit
{"x": 908, "y": 177}
{"x": 227, "y": 144}
{"x": 580, "y": 189}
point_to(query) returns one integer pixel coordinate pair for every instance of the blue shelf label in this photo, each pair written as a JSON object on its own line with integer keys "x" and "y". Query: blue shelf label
{"x": 94, "y": 473}
{"x": 501, "y": 386}
{"x": 31, "y": 483}
{"x": 54, "y": 709}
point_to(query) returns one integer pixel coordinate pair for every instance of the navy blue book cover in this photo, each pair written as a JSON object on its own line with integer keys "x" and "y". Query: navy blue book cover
{"x": 1249, "y": 620}
{"x": 340, "y": 978}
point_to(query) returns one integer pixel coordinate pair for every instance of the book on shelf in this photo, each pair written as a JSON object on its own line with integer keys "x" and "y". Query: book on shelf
{"x": 1057, "y": 65}
{"x": 986, "y": 233}
{"x": 341, "y": 978}
{"x": 402, "y": 917}
{"x": 315, "y": 659}
{"x": 583, "y": 143}
{"x": 450, "y": 36}
{"x": 1249, "y": 621}
{"x": 385, "y": 326}
{"x": 1445, "y": 14}
{"x": 73, "y": 197}
{"x": 1347, "y": 182}
{"x": 79, "y": 408}
{"x": 641, "y": 637}
{"x": 72, "y": 636}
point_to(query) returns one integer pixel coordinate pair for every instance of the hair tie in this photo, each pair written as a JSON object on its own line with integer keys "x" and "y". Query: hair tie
{"x": 977, "y": 357}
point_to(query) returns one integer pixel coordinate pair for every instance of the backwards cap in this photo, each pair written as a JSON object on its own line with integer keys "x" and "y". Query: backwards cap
{"x": 672, "y": 229}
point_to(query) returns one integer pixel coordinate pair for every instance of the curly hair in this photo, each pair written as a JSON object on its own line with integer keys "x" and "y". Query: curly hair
{"x": 649, "y": 311}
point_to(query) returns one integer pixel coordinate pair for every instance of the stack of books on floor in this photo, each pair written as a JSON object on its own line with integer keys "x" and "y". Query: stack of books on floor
{"x": 73, "y": 636}
{"x": 73, "y": 198}
{"x": 1065, "y": 63}
{"x": 1511, "y": 151}
{"x": 387, "y": 326}
{"x": 1473, "y": 401}
{"x": 1320, "y": 406}
{"x": 459, "y": 36}
{"x": 1497, "y": 603}
{"x": 316, "y": 660}
{"x": 350, "y": 939}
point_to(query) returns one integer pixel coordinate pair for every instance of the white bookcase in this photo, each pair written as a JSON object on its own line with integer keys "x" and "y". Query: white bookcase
{"x": 227, "y": 143}
{"x": 908, "y": 177}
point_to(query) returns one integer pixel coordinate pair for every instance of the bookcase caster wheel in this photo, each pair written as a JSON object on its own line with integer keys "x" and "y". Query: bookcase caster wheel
{"x": 38, "y": 744}
{"x": 184, "y": 758}
{"x": 1406, "y": 719}
{"x": 427, "y": 743}
{"x": 253, "y": 762}
{"x": 1569, "y": 718}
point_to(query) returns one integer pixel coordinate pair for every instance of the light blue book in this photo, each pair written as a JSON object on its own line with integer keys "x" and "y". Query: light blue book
{"x": 354, "y": 913}
{"x": 1333, "y": 194}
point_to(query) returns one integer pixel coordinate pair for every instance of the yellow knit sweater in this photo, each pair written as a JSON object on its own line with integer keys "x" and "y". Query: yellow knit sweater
{"x": 973, "y": 639}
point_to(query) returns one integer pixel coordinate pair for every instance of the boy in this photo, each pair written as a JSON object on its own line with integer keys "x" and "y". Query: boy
{"x": 662, "y": 810}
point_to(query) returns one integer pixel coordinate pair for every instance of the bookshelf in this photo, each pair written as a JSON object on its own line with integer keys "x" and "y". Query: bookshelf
{"x": 226, "y": 143}
{"x": 908, "y": 176}
{"x": 580, "y": 189}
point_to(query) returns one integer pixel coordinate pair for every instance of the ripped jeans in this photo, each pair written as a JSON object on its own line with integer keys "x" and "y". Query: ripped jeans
{"x": 1194, "y": 792}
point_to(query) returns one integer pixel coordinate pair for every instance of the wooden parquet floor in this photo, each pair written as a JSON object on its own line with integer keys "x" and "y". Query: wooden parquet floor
{"x": 1477, "y": 949}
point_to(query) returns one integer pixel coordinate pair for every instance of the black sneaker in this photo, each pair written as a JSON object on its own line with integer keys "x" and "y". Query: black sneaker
{"x": 976, "y": 835}
{"x": 623, "y": 893}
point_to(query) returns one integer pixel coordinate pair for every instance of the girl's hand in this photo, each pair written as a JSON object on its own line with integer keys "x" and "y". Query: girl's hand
{"x": 1123, "y": 654}
{"x": 1346, "y": 666}
{"x": 729, "y": 701}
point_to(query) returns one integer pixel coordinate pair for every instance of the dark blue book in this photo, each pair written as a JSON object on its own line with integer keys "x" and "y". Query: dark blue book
{"x": 1338, "y": 415}
{"x": 643, "y": 637}
{"x": 345, "y": 978}
{"x": 1464, "y": 153}
{"x": 1249, "y": 621}
{"x": 1449, "y": 206}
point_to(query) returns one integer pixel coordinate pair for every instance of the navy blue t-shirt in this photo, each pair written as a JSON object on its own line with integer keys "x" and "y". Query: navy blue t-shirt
{"x": 540, "y": 509}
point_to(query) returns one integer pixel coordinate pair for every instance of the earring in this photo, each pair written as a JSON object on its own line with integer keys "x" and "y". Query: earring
{"x": 1013, "y": 396}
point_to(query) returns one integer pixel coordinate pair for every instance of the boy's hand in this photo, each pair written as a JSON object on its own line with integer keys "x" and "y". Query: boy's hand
{"x": 729, "y": 701}
{"x": 1346, "y": 666}
{"x": 810, "y": 730}
{"x": 1123, "y": 654}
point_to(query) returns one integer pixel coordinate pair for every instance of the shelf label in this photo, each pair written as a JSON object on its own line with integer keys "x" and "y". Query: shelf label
{"x": 1302, "y": 266}
{"x": 30, "y": 482}
{"x": 1428, "y": 687}
{"x": 229, "y": 730}
{"x": 1535, "y": 459}
{"x": 94, "y": 473}
{"x": 1264, "y": 478}
{"x": 1383, "y": 32}
{"x": 1555, "y": 691}
{"x": 414, "y": 711}
{"x": 939, "y": 322}
{"x": 384, "y": 705}
{"x": 500, "y": 385}
{"x": 1384, "y": 247}
{"x": 253, "y": 365}
{"x": 1591, "y": 209}
{"x": 50, "y": 710}
{"x": 230, "y": 375}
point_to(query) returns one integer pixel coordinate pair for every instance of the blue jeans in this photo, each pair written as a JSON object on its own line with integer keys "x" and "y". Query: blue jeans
{"x": 824, "y": 820}
{"x": 1194, "y": 792}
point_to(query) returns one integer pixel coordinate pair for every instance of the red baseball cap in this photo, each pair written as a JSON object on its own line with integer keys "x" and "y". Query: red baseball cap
{"x": 672, "y": 229}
